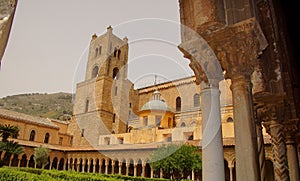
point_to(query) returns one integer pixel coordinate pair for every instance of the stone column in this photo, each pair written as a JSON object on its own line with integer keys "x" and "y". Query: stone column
{"x": 259, "y": 112}
{"x": 83, "y": 166}
{"x": 143, "y": 169}
{"x": 208, "y": 74}
{"x": 212, "y": 144}
{"x": 193, "y": 175}
{"x": 127, "y": 168}
{"x": 19, "y": 162}
{"x": 291, "y": 150}
{"x": 106, "y": 166}
{"x": 151, "y": 172}
{"x": 275, "y": 129}
{"x": 134, "y": 169}
{"x": 231, "y": 172}
{"x": 120, "y": 167}
{"x": 94, "y": 167}
{"x": 100, "y": 166}
{"x": 160, "y": 173}
{"x": 113, "y": 166}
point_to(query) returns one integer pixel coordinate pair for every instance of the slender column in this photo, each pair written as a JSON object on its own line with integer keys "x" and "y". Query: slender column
{"x": 275, "y": 129}
{"x": 106, "y": 166}
{"x": 50, "y": 165}
{"x": 244, "y": 130}
{"x": 19, "y": 162}
{"x": 94, "y": 167}
{"x": 261, "y": 150}
{"x": 151, "y": 172}
{"x": 10, "y": 160}
{"x": 193, "y": 175}
{"x": 27, "y": 163}
{"x": 77, "y": 166}
{"x": 120, "y": 167}
{"x": 134, "y": 169}
{"x": 113, "y": 167}
{"x": 160, "y": 173}
{"x": 212, "y": 145}
{"x": 290, "y": 129}
{"x": 143, "y": 170}
{"x": 127, "y": 168}
{"x": 83, "y": 166}
{"x": 231, "y": 172}
{"x": 100, "y": 166}
{"x": 35, "y": 165}
{"x": 88, "y": 166}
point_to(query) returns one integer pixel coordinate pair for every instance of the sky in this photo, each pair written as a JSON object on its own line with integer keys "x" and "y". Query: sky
{"x": 49, "y": 41}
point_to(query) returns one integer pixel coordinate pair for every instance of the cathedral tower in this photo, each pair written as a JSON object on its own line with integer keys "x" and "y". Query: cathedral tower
{"x": 102, "y": 99}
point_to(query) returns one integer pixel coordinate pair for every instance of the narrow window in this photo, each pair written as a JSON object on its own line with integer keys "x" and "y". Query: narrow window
{"x": 116, "y": 91}
{"x": 60, "y": 140}
{"x": 145, "y": 120}
{"x": 130, "y": 105}
{"x": 95, "y": 71}
{"x": 114, "y": 118}
{"x": 196, "y": 100}
{"x": 46, "y": 139}
{"x": 96, "y": 52}
{"x": 115, "y": 52}
{"x": 100, "y": 50}
{"x": 115, "y": 73}
{"x": 32, "y": 135}
{"x": 119, "y": 53}
{"x": 157, "y": 120}
{"x": 82, "y": 132}
{"x": 87, "y": 102}
{"x": 178, "y": 104}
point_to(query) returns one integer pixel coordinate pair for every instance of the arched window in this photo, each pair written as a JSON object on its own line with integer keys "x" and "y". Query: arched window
{"x": 95, "y": 71}
{"x": 47, "y": 136}
{"x": 100, "y": 50}
{"x": 32, "y": 135}
{"x": 87, "y": 102}
{"x": 196, "y": 100}
{"x": 178, "y": 104}
{"x": 115, "y": 52}
{"x": 96, "y": 52}
{"x": 119, "y": 53}
{"x": 183, "y": 124}
{"x": 229, "y": 119}
{"x": 115, "y": 73}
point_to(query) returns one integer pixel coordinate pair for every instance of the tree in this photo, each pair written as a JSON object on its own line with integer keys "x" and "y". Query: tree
{"x": 41, "y": 155}
{"x": 176, "y": 161}
{"x": 7, "y": 130}
{"x": 10, "y": 147}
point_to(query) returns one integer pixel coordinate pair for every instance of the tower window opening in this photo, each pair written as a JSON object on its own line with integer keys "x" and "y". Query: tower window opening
{"x": 119, "y": 54}
{"x": 116, "y": 91}
{"x": 46, "y": 139}
{"x": 115, "y": 52}
{"x": 115, "y": 73}
{"x": 32, "y": 135}
{"x": 96, "y": 52}
{"x": 95, "y": 71}
{"x": 100, "y": 50}
{"x": 114, "y": 118}
{"x": 178, "y": 104}
{"x": 87, "y": 102}
{"x": 196, "y": 100}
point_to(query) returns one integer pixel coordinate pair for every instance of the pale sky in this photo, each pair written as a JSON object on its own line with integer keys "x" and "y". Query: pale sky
{"x": 47, "y": 48}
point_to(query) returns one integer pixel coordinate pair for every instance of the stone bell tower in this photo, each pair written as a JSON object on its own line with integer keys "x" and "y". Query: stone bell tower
{"x": 98, "y": 108}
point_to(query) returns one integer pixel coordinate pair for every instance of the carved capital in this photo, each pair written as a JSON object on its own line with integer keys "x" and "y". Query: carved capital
{"x": 203, "y": 61}
{"x": 291, "y": 128}
{"x": 238, "y": 47}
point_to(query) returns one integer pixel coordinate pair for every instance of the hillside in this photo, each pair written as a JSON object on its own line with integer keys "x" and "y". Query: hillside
{"x": 56, "y": 106}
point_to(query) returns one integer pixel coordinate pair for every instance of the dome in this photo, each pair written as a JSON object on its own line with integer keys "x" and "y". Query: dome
{"x": 155, "y": 105}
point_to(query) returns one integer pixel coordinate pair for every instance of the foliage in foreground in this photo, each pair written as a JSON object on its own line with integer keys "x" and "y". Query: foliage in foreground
{"x": 41, "y": 155}
{"x": 31, "y": 174}
{"x": 176, "y": 161}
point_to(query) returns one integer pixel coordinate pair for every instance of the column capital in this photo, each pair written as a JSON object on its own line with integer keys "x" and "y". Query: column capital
{"x": 203, "y": 60}
{"x": 238, "y": 47}
{"x": 290, "y": 130}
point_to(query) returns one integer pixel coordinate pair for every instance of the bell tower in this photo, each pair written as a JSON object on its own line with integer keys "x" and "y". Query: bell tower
{"x": 101, "y": 101}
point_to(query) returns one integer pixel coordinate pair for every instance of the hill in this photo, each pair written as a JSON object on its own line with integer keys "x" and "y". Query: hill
{"x": 56, "y": 106}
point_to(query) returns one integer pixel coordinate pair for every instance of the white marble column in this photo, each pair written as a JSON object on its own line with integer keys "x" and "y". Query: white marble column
{"x": 106, "y": 166}
{"x": 127, "y": 168}
{"x": 212, "y": 143}
{"x": 113, "y": 166}
{"x": 151, "y": 172}
{"x": 120, "y": 167}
